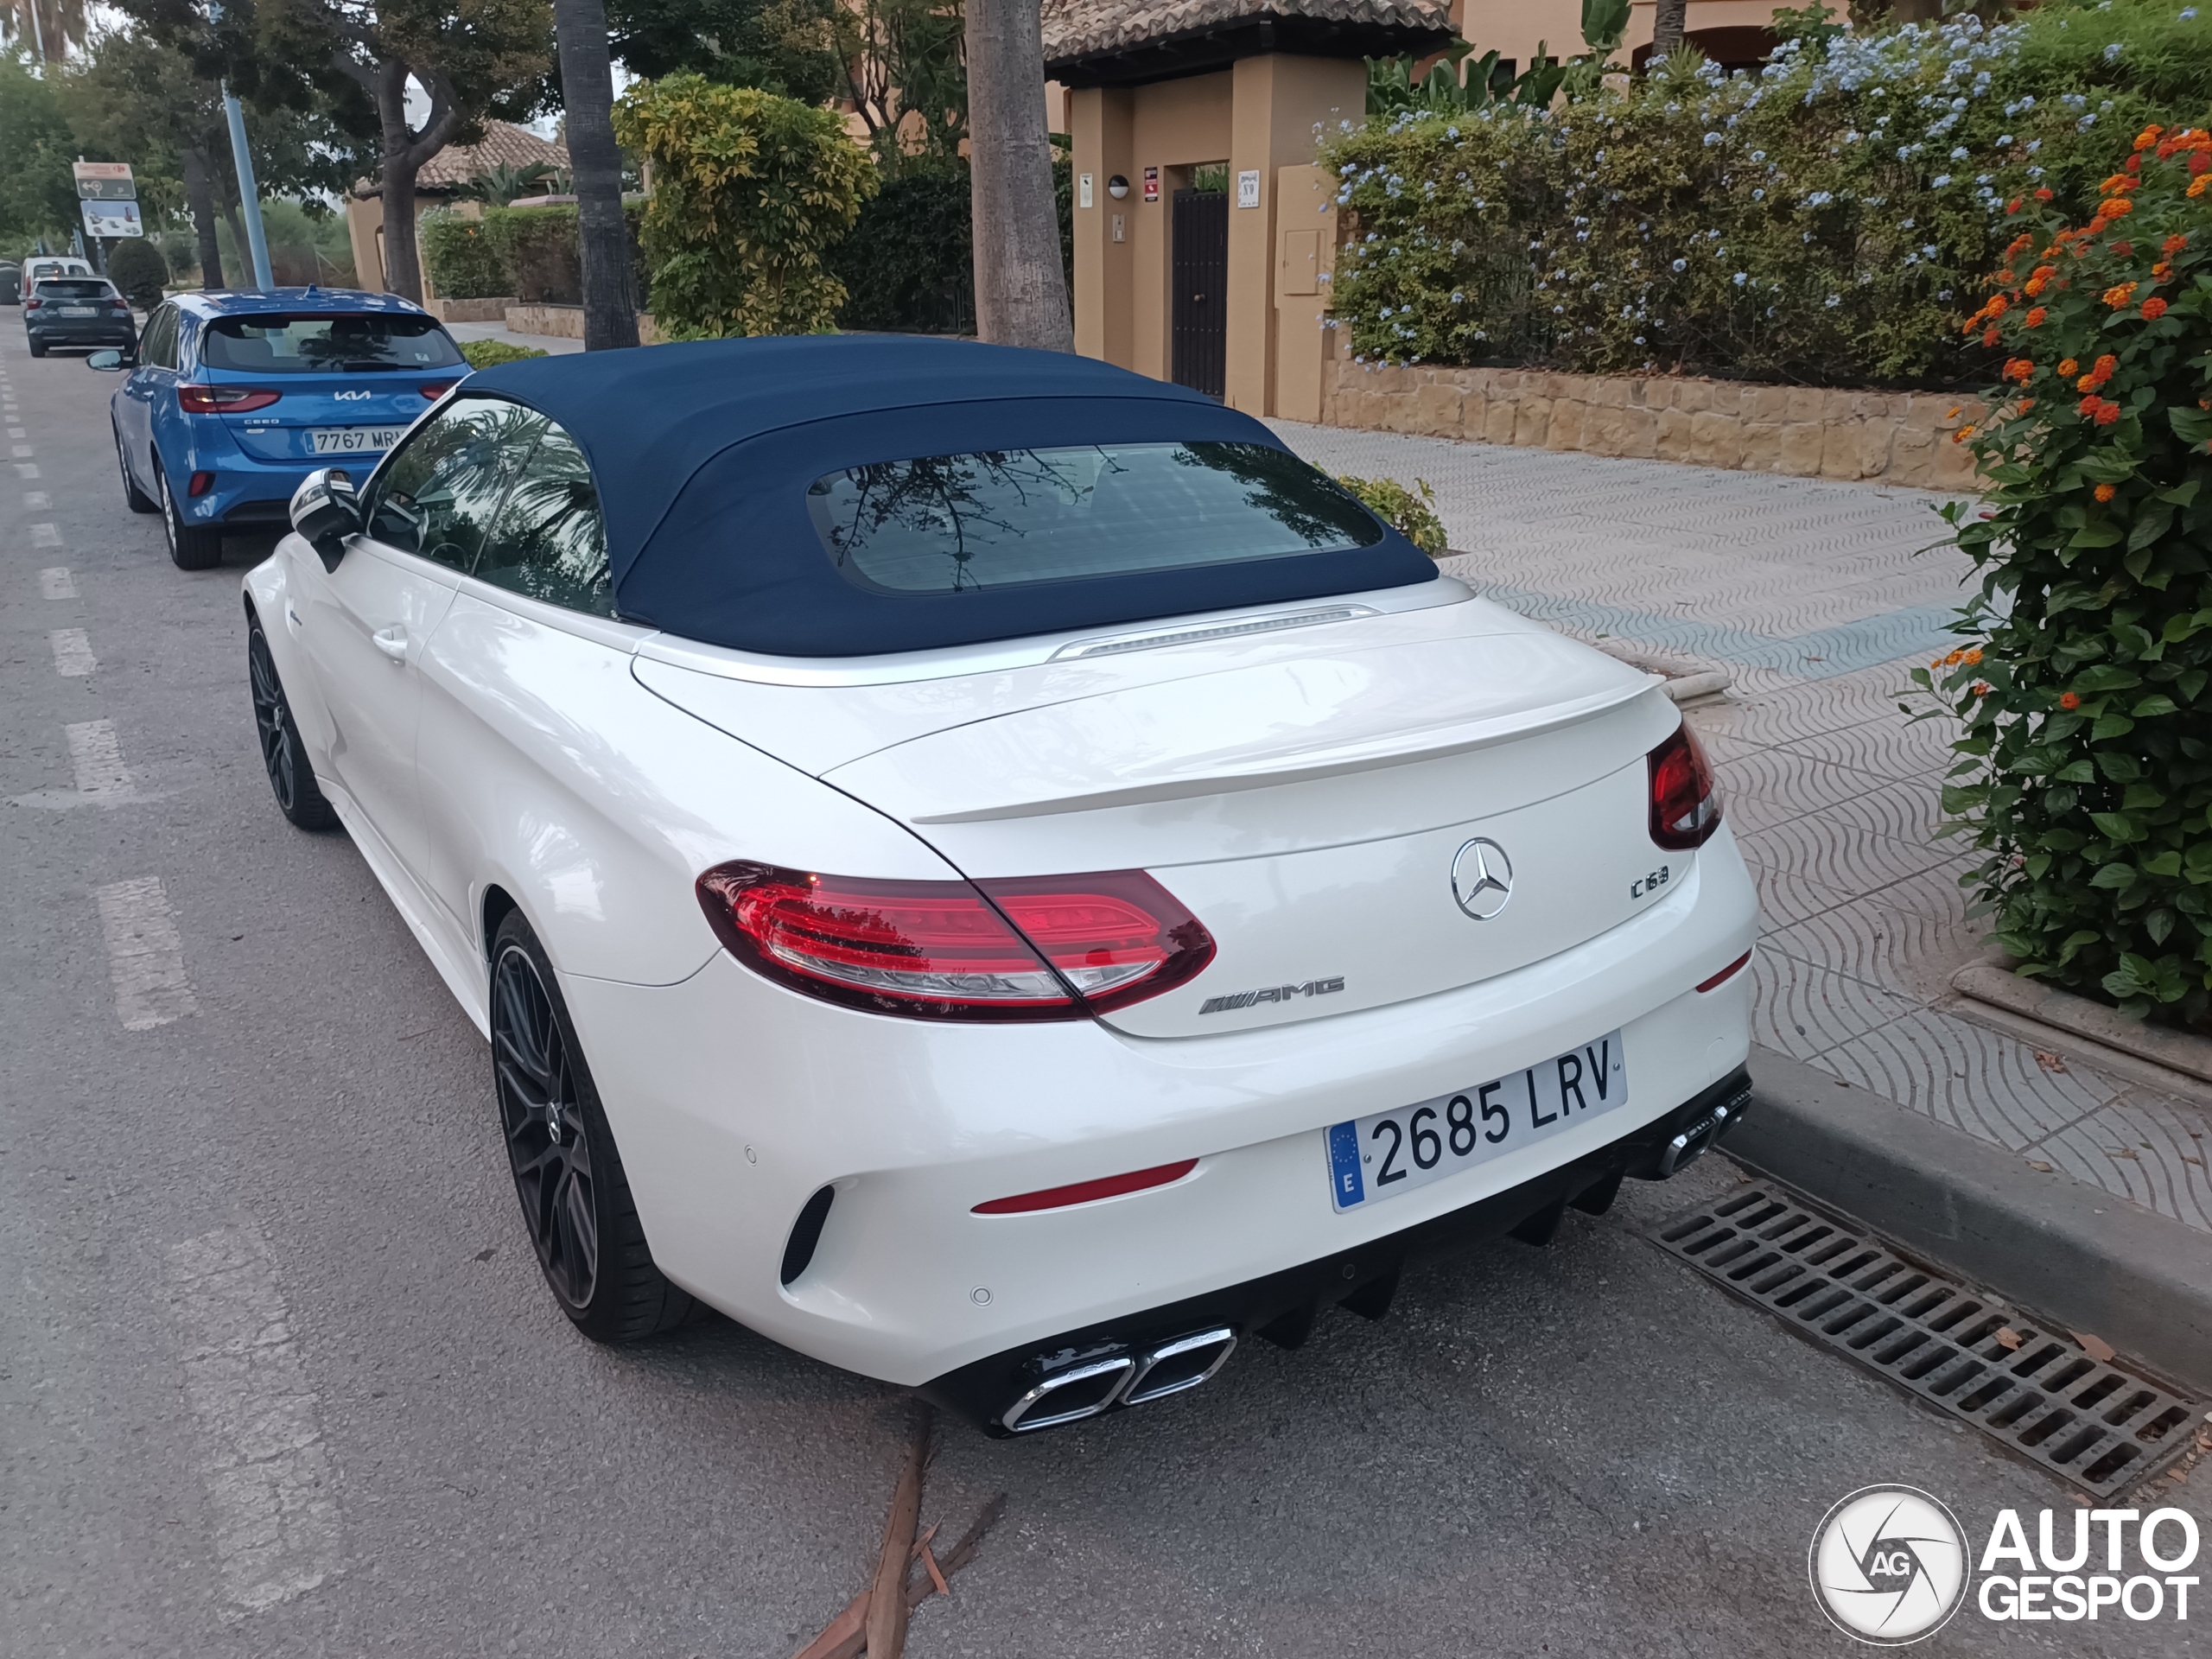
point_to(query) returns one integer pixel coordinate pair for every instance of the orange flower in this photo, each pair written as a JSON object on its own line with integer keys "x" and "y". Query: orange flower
{"x": 1980, "y": 689}
{"x": 2148, "y": 137}
{"x": 2163, "y": 270}
{"x": 2105, "y": 491}
{"x": 2124, "y": 250}
{"x": 2103, "y": 367}
{"x": 2087, "y": 383}
{"x": 2108, "y": 413}
{"x": 2117, "y": 182}
{"x": 2132, "y": 164}
{"x": 2118, "y": 207}
{"x": 2013, "y": 205}
{"x": 2069, "y": 700}
{"x": 1973, "y": 658}
{"x": 1990, "y": 336}
{"x": 2043, "y": 193}
{"x": 1962, "y": 434}
{"x": 2196, "y": 185}
{"x": 2173, "y": 245}
{"x": 2034, "y": 319}
{"x": 2026, "y": 404}
{"x": 1955, "y": 659}
{"x": 2018, "y": 368}
{"x": 1998, "y": 306}
{"x": 2200, "y": 162}
{"x": 2066, "y": 368}
{"x": 2119, "y": 294}
{"x": 2153, "y": 309}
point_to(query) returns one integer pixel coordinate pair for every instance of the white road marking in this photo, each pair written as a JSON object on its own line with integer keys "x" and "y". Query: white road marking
{"x": 26, "y": 469}
{"x": 46, "y": 535}
{"x": 24, "y": 452}
{"x": 58, "y": 583}
{"x": 72, "y": 652}
{"x": 269, "y": 1480}
{"x": 145, "y": 958}
{"x": 97, "y": 757}
{"x": 16, "y": 431}
{"x": 37, "y": 501}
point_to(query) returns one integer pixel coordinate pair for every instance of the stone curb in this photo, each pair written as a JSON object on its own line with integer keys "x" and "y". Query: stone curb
{"x": 1991, "y": 982}
{"x": 1687, "y": 678}
{"x": 2089, "y": 1260}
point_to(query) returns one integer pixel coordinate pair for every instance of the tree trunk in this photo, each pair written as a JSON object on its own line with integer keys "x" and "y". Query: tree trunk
{"x": 1021, "y": 289}
{"x": 595, "y": 165}
{"x": 1667, "y": 29}
{"x": 200, "y": 196}
{"x": 403, "y": 266}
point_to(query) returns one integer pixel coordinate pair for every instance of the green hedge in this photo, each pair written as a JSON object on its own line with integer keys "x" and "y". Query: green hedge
{"x": 136, "y": 266}
{"x": 463, "y": 261}
{"x": 908, "y": 264}
{"x": 1822, "y": 221}
{"x": 2085, "y": 685}
{"x": 530, "y": 254}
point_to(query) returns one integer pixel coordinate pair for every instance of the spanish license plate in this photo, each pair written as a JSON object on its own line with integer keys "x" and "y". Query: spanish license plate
{"x": 81, "y": 311}
{"x": 1398, "y": 1151}
{"x": 353, "y": 440}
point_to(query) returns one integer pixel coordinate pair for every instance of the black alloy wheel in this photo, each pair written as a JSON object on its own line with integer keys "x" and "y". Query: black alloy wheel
{"x": 189, "y": 549}
{"x": 576, "y": 1200}
{"x": 134, "y": 498}
{"x": 292, "y": 780}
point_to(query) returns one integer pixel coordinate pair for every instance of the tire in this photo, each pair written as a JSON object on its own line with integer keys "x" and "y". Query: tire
{"x": 189, "y": 549}
{"x": 38, "y": 346}
{"x": 284, "y": 756}
{"x": 576, "y": 1200}
{"x": 134, "y": 498}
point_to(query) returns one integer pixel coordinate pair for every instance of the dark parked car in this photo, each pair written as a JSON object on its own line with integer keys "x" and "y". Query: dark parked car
{"x": 11, "y": 283}
{"x": 83, "y": 311}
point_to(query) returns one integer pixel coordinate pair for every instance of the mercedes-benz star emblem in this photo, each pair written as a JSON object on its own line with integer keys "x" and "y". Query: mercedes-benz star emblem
{"x": 1481, "y": 878}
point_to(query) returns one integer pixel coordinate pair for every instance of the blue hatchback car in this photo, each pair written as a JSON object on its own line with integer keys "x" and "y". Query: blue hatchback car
{"x": 232, "y": 398}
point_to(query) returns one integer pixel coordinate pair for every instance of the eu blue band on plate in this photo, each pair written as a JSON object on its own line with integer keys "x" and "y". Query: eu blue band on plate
{"x": 1344, "y": 1165}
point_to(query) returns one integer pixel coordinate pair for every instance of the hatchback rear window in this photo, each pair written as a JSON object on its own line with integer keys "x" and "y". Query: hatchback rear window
{"x": 327, "y": 343}
{"x": 1013, "y": 517}
{"x": 53, "y": 289}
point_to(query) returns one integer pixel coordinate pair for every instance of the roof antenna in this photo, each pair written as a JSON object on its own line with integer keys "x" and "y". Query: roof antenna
{"x": 311, "y": 288}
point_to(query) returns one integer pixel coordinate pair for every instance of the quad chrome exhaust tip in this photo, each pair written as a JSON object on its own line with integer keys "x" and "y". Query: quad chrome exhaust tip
{"x": 1095, "y": 1386}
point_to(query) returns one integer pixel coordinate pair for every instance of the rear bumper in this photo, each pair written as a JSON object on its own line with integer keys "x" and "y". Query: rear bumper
{"x": 736, "y": 1102}
{"x": 83, "y": 331}
{"x": 1281, "y": 1307}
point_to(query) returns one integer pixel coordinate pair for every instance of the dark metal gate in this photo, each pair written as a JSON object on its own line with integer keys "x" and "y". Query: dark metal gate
{"x": 1199, "y": 326}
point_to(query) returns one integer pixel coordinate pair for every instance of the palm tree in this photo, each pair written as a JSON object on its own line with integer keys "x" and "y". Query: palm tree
{"x": 587, "y": 84}
{"x": 500, "y": 184}
{"x": 1667, "y": 29}
{"x": 1021, "y": 287}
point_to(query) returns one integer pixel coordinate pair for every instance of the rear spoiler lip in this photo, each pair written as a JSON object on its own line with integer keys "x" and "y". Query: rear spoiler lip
{"x": 1398, "y": 749}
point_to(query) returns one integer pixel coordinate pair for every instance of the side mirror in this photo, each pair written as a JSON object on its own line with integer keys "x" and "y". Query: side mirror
{"x": 110, "y": 361}
{"x": 326, "y": 510}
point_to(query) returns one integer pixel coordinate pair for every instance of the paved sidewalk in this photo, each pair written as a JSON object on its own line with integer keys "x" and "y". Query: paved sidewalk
{"x": 1819, "y": 598}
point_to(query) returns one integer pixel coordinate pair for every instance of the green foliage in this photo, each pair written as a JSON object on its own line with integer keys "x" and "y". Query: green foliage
{"x": 2085, "y": 773}
{"x": 779, "y": 46}
{"x": 490, "y": 353}
{"x": 908, "y": 264}
{"x": 905, "y": 73}
{"x": 751, "y": 191}
{"x": 1821, "y": 222}
{"x": 136, "y": 266}
{"x": 1453, "y": 85}
{"x": 463, "y": 261}
{"x": 540, "y": 252}
{"x": 38, "y": 196}
{"x": 501, "y": 184}
{"x": 307, "y": 243}
{"x": 1411, "y": 512}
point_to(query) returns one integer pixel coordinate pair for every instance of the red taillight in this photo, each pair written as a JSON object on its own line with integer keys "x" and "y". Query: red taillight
{"x": 1725, "y": 973}
{"x": 437, "y": 389}
{"x": 223, "y": 400}
{"x": 1110, "y": 1186}
{"x": 200, "y": 484}
{"x": 33, "y": 305}
{"x": 1685, "y": 800}
{"x": 1035, "y": 948}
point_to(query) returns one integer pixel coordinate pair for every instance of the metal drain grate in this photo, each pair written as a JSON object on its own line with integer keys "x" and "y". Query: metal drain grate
{"x": 2098, "y": 1427}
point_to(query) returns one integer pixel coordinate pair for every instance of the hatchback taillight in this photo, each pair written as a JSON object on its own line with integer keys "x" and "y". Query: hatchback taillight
{"x": 223, "y": 400}
{"x": 33, "y": 305}
{"x": 1685, "y": 800}
{"x": 1034, "y": 948}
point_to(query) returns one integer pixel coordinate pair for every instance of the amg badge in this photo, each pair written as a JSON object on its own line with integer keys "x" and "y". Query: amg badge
{"x": 1272, "y": 993}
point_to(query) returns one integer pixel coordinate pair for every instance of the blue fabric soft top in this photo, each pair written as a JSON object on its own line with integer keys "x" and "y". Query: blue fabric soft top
{"x": 702, "y": 453}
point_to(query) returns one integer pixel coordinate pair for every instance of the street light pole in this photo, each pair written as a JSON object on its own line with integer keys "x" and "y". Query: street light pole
{"x": 248, "y": 192}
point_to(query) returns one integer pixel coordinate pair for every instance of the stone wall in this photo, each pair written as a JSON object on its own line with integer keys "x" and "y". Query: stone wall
{"x": 1896, "y": 437}
{"x": 567, "y": 322}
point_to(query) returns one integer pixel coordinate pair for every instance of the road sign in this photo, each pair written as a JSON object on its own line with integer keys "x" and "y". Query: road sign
{"x": 106, "y": 182}
{"x": 112, "y": 219}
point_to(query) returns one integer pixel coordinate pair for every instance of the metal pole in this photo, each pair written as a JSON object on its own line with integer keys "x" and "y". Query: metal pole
{"x": 248, "y": 192}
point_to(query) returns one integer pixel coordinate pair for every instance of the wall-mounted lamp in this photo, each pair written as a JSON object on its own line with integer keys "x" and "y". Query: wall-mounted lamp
{"x": 1117, "y": 187}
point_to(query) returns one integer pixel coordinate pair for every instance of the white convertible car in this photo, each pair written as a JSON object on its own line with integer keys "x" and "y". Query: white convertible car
{"x": 987, "y": 868}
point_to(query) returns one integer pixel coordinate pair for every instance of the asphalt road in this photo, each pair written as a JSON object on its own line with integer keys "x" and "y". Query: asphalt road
{"x": 278, "y": 1376}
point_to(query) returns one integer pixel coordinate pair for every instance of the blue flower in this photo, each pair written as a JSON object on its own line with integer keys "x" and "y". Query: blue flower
{"x": 1739, "y": 279}
{"x": 1681, "y": 264}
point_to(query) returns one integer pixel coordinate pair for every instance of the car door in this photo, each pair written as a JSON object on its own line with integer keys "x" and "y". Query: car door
{"x": 365, "y": 624}
{"x": 155, "y": 379}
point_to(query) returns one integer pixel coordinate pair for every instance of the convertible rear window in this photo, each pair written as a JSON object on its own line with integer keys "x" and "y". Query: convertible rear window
{"x": 327, "y": 343}
{"x": 1014, "y": 517}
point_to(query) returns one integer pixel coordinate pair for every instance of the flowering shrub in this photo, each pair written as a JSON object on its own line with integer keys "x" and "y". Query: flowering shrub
{"x": 1820, "y": 221}
{"x": 2086, "y": 773}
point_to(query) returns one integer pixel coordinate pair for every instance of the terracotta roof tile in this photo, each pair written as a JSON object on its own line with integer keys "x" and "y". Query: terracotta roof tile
{"x": 504, "y": 145}
{"x": 1078, "y": 27}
